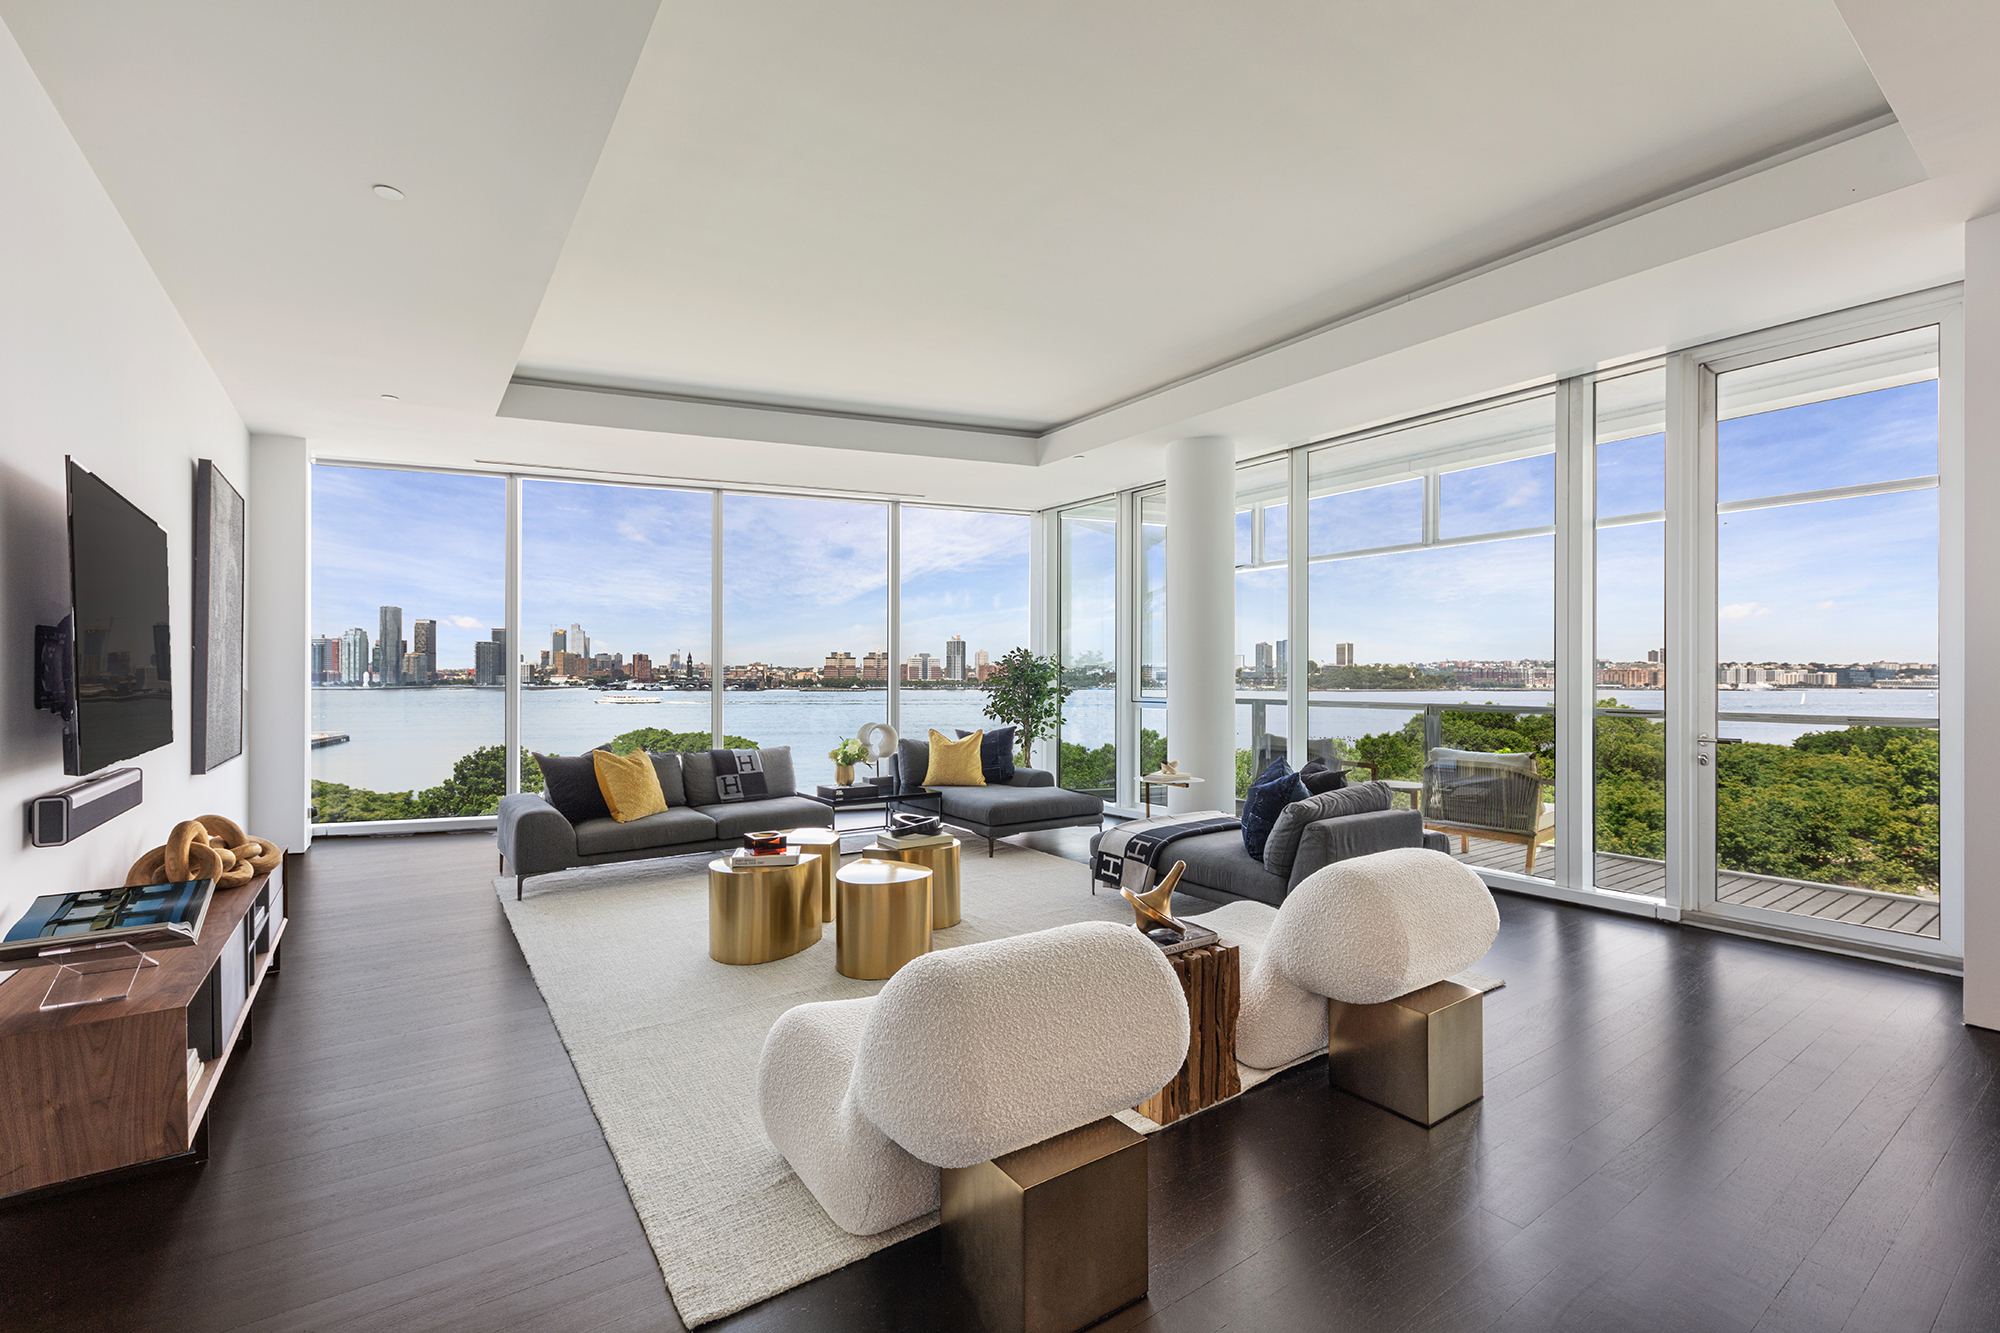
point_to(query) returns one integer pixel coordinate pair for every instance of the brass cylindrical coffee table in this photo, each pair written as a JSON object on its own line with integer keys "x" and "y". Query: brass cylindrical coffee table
{"x": 822, "y": 845}
{"x": 942, "y": 861}
{"x": 761, "y": 914}
{"x": 884, "y": 918}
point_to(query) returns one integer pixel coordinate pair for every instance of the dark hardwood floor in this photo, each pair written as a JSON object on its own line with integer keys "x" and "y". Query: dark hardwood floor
{"x": 1682, "y": 1130}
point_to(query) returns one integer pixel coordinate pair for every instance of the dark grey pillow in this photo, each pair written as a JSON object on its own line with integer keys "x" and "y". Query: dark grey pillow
{"x": 698, "y": 777}
{"x": 1281, "y": 847}
{"x": 779, "y": 779}
{"x": 996, "y": 755}
{"x": 570, "y": 783}
{"x": 1320, "y": 778}
{"x": 668, "y": 766}
{"x": 913, "y": 761}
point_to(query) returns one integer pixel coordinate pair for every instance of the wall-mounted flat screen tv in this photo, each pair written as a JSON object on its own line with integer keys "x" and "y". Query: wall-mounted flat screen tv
{"x": 119, "y": 618}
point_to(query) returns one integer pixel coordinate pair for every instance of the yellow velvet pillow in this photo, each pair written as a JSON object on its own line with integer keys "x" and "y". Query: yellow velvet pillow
{"x": 630, "y": 784}
{"x": 955, "y": 763}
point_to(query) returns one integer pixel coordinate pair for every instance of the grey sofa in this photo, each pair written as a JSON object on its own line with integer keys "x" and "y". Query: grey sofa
{"x": 1029, "y": 802}
{"x": 535, "y": 839}
{"x": 1221, "y": 870}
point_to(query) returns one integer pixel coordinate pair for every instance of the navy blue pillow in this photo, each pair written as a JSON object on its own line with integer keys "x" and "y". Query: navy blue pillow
{"x": 1277, "y": 788}
{"x": 996, "y": 756}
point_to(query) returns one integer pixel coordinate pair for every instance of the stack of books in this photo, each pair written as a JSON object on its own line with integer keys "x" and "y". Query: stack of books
{"x": 894, "y": 843}
{"x": 768, "y": 861}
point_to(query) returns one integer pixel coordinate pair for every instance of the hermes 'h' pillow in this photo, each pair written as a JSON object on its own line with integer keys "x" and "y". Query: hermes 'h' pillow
{"x": 630, "y": 784}
{"x": 724, "y": 777}
{"x": 954, "y": 763}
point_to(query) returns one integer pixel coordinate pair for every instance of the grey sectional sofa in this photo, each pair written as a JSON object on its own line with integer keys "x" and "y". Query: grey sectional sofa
{"x": 1220, "y": 868}
{"x": 535, "y": 839}
{"x": 1028, "y": 802}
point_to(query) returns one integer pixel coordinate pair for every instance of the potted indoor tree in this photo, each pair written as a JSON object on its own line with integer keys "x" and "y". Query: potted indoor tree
{"x": 1026, "y": 692}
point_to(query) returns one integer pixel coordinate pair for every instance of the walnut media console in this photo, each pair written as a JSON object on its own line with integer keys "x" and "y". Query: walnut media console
{"x": 106, "y": 1087}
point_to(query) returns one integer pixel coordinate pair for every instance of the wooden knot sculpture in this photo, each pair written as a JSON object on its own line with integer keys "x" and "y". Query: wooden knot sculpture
{"x": 210, "y": 847}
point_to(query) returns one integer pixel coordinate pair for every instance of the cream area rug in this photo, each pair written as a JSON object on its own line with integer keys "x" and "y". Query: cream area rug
{"x": 666, "y": 1041}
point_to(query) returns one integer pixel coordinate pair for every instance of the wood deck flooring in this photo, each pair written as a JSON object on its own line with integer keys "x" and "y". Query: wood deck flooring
{"x": 1682, "y": 1130}
{"x": 1892, "y": 912}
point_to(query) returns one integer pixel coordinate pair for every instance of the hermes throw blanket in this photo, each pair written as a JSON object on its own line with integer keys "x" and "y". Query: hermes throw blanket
{"x": 1131, "y": 855}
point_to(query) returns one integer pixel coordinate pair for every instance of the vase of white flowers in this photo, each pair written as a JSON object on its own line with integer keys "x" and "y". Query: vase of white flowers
{"x": 845, "y": 756}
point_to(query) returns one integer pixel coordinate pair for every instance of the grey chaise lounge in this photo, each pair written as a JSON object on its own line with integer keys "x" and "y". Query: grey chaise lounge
{"x": 1221, "y": 870}
{"x": 1031, "y": 801}
{"x": 535, "y": 839}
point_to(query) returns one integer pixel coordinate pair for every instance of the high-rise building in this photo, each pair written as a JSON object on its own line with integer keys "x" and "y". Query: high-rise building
{"x": 1263, "y": 667}
{"x": 1656, "y": 655}
{"x": 558, "y": 642}
{"x": 325, "y": 660}
{"x": 579, "y": 642}
{"x": 921, "y": 666}
{"x": 355, "y": 659}
{"x": 875, "y": 665}
{"x": 839, "y": 666}
{"x": 389, "y": 636}
{"x": 642, "y": 668}
{"x": 1343, "y": 654}
{"x": 1284, "y": 655}
{"x": 954, "y": 658}
{"x": 489, "y": 662}
{"x": 425, "y": 651}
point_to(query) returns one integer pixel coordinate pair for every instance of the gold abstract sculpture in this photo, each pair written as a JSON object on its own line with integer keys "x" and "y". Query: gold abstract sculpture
{"x": 1151, "y": 906}
{"x": 209, "y": 847}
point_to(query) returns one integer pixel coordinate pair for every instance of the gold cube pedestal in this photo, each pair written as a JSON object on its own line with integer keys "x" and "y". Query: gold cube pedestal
{"x": 942, "y": 862}
{"x": 759, "y": 915}
{"x": 1421, "y": 1055}
{"x": 823, "y": 846}
{"x": 1052, "y": 1238}
{"x": 884, "y": 918}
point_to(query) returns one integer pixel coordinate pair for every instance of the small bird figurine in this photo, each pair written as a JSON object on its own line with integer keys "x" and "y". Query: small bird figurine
{"x": 1151, "y": 906}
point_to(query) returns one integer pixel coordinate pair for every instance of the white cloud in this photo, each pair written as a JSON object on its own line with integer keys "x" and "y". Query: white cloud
{"x": 465, "y": 622}
{"x": 1743, "y": 610}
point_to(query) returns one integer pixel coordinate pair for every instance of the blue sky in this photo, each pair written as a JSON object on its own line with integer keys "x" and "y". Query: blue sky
{"x": 1839, "y": 580}
{"x": 632, "y": 565}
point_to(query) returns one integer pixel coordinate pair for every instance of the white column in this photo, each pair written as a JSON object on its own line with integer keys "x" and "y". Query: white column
{"x": 277, "y": 621}
{"x": 1981, "y": 495}
{"x": 1201, "y": 620}
{"x": 510, "y": 661}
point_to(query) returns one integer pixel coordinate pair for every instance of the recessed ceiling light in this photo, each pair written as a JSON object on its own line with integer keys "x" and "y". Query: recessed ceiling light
{"x": 388, "y": 192}
{"x": 392, "y": 397}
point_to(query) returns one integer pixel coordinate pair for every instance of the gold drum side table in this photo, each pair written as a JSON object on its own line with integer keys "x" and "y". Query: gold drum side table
{"x": 761, "y": 915}
{"x": 822, "y": 845}
{"x": 884, "y": 918}
{"x": 942, "y": 861}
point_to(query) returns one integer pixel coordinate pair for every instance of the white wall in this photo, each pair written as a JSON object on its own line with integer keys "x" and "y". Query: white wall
{"x": 95, "y": 362}
{"x": 1982, "y": 609}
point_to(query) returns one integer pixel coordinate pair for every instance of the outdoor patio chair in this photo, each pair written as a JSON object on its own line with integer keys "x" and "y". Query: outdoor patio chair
{"x": 1496, "y": 796}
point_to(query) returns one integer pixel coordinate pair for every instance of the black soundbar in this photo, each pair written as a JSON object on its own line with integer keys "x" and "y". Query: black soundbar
{"x": 66, "y": 815}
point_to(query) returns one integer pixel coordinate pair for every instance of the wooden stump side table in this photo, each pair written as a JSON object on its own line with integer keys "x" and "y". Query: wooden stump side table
{"x": 1210, "y": 978}
{"x": 941, "y": 860}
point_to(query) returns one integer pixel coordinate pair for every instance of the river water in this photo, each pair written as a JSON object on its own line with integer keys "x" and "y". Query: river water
{"x": 404, "y": 740}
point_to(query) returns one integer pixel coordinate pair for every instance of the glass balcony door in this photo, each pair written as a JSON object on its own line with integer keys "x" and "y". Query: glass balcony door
{"x": 1815, "y": 754}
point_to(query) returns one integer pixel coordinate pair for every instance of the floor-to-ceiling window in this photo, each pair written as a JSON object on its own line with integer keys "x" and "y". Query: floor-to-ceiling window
{"x": 1629, "y": 726}
{"x": 1826, "y": 776}
{"x": 408, "y": 579}
{"x": 1263, "y": 647}
{"x": 1150, "y": 680}
{"x": 614, "y": 618}
{"x": 1087, "y": 608}
{"x": 1432, "y": 611}
{"x": 805, "y": 599}
{"x": 964, "y": 603}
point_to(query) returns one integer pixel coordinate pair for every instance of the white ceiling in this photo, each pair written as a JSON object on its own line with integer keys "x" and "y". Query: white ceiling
{"x": 1023, "y": 213}
{"x": 1003, "y": 216}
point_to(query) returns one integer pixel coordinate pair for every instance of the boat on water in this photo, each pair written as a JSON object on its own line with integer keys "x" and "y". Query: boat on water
{"x": 625, "y": 699}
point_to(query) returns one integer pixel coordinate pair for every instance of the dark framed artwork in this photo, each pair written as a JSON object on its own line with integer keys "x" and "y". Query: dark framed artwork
{"x": 218, "y": 619}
